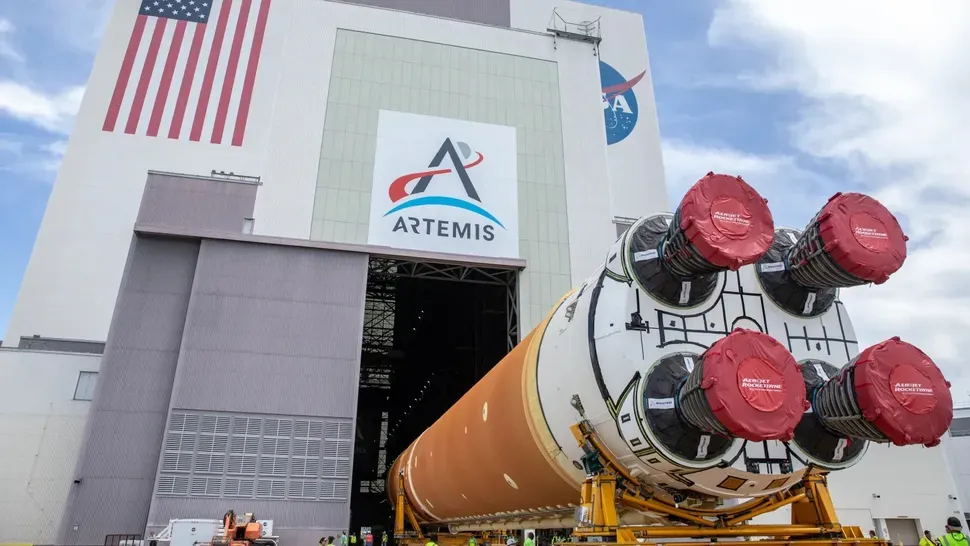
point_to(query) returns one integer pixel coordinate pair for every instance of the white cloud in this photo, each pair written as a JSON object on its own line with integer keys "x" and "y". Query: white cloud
{"x": 888, "y": 97}
{"x": 52, "y": 112}
{"x": 7, "y": 50}
{"x": 788, "y": 187}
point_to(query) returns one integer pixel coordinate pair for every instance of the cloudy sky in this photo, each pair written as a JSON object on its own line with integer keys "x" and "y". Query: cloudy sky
{"x": 801, "y": 98}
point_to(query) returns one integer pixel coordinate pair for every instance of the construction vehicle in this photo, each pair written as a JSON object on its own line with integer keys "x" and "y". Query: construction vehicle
{"x": 248, "y": 532}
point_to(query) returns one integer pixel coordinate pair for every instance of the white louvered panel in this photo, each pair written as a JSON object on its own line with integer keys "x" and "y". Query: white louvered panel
{"x": 271, "y": 489}
{"x": 343, "y": 450}
{"x": 300, "y": 489}
{"x": 246, "y": 425}
{"x": 286, "y": 428}
{"x": 337, "y": 431}
{"x": 181, "y": 485}
{"x": 165, "y": 485}
{"x": 191, "y": 423}
{"x": 177, "y": 422}
{"x": 335, "y": 468}
{"x": 276, "y": 446}
{"x": 236, "y": 487}
{"x": 244, "y": 445}
{"x": 223, "y": 424}
{"x": 173, "y": 485}
{"x": 176, "y": 462}
{"x": 210, "y": 463}
{"x": 308, "y": 429}
{"x": 278, "y": 427}
{"x": 305, "y": 466}
{"x": 316, "y": 429}
{"x": 326, "y": 490}
{"x": 213, "y": 444}
{"x": 301, "y": 428}
{"x": 306, "y": 447}
{"x": 206, "y": 487}
{"x": 247, "y": 488}
{"x": 341, "y": 490}
{"x": 300, "y": 447}
{"x": 272, "y": 466}
{"x": 180, "y": 441}
{"x": 242, "y": 464}
{"x": 208, "y": 424}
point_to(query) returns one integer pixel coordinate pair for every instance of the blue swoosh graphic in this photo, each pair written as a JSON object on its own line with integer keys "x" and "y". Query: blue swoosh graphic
{"x": 445, "y": 202}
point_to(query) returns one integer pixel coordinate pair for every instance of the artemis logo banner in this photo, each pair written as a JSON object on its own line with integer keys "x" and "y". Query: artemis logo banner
{"x": 445, "y": 185}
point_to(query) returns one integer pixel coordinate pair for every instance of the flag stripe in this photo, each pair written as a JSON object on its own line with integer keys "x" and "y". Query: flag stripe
{"x": 176, "y": 128}
{"x": 210, "y": 72}
{"x": 247, "y": 91}
{"x": 165, "y": 85}
{"x": 114, "y": 107}
{"x": 146, "y": 76}
{"x": 230, "y": 77}
{"x": 192, "y": 78}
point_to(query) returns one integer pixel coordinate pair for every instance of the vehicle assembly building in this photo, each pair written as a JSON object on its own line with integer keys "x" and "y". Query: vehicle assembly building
{"x": 291, "y": 240}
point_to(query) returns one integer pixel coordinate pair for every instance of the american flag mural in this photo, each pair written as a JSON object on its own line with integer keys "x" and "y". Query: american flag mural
{"x": 189, "y": 70}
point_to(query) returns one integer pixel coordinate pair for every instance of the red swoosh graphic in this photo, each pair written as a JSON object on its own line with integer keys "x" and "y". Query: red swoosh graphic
{"x": 621, "y": 88}
{"x": 398, "y": 189}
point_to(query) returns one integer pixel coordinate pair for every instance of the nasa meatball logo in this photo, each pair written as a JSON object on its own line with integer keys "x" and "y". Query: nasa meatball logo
{"x": 620, "y": 108}
{"x": 462, "y": 159}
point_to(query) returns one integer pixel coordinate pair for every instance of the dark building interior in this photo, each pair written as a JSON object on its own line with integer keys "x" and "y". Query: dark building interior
{"x": 427, "y": 339}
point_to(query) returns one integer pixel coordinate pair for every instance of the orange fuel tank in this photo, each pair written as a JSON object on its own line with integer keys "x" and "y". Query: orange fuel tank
{"x": 487, "y": 455}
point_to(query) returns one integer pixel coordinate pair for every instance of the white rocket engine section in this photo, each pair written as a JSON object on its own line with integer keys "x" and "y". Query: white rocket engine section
{"x": 691, "y": 408}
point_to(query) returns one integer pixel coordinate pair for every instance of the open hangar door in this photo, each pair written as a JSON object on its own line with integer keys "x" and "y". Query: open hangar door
{"x": 431, "y": 331}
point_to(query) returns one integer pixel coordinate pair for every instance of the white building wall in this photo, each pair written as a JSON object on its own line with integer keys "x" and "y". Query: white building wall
{"x": 40, "y": 433}
{"x": 637, "y": 185}
{"x": 73, "y": 276}
{"x": 958, "y": 454}
{"x": 893, "y": 483}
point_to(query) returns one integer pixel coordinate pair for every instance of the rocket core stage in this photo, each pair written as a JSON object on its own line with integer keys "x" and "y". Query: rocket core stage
{"x": 712, "y": 357}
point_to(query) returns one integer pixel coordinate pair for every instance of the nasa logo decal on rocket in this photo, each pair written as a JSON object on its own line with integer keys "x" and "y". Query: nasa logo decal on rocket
{"x": 620, "y": 108}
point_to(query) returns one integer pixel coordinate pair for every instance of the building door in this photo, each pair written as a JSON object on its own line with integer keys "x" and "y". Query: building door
{"x": 903, "y": 532}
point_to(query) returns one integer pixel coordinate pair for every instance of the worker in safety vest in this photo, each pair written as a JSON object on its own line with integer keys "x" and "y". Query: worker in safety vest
{"x": 384, "y": 538}
{"x": 353, "y": 539}
{"x": 343, "y": 539}
{"x": 927, "y": 539}
{"x": 530, "y": 540}
{"x": 471, "y": 541}
{"x": 954, "y": 533}
{"x": 432, "y": 541}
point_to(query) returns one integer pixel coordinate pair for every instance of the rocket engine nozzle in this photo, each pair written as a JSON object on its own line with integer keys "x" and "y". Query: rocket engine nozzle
{"x": 746, "y": 385}
{"x": 722, "y": 223}
{"x": 891, "y": 392}
{"x": 853, "y": 240}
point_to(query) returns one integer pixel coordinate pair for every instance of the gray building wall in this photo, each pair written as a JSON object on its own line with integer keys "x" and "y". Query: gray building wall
{"x": 229, "y": 378}
{"x": 123, "y": 435}
{"x": 274, "y": 333}
{"x": 488, "y": 12}
{"x": 197, "y": 203}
